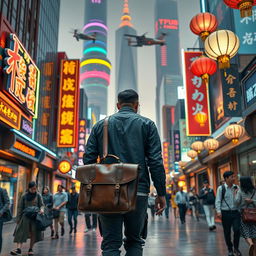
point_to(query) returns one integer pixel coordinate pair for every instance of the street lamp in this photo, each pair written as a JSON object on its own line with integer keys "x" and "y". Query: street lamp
{"x": 222, "y": 45}
{"x": 233, "y": 132}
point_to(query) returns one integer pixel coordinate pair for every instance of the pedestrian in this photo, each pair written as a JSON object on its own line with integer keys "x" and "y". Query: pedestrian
{"x": 26, "y": 227}
{"x": 208, "y": 197}
{"x": 195, "y": 203}
{"x": 72, "y": 209}
{"x": 246, "y": 198}
{"x": 167, "y": 209}
{"x": 4, "y": 206}
{"x": 60, "y": 200}
{"x": 134, "y": 139}
{"x": 48, "y": 202}
{"x": 183, "y": 204}
{"x": 91, "y": 222}
{"x": 151, "y": 204}
{"x": 174, "y": 205}
{"x": 228, "y": 212}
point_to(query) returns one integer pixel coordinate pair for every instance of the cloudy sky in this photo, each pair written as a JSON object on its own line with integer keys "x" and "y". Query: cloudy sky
{"x": 142, "y": 12}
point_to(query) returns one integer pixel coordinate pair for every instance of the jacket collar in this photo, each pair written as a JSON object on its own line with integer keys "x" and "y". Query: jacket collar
{"x": 126, "y": 109}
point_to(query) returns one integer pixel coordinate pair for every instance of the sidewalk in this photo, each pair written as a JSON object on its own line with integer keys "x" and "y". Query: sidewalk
{"x": 166, "y": 237}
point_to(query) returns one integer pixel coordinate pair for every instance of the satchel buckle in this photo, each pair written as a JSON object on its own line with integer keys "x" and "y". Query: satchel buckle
{"x": 89, "y": 187}
{"x": 117, "y": 186}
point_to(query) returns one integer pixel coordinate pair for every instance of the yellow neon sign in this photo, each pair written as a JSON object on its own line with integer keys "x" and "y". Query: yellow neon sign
{"x": 24, "y": 148}
{"x": 96, "y": 61}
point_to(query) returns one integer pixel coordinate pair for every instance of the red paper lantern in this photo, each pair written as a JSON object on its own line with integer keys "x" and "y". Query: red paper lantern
{"x": 245, "y": 6}
{"x": 203, "y": 24}
{"x": 203, "y": 67}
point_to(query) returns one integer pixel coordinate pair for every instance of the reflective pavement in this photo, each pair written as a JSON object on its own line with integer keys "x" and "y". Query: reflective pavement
{"x": 166, "y": 237}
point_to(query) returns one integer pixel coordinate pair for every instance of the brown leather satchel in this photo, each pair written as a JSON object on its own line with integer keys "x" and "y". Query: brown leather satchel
{"x": 249, "y": 214}
{"x": 107, "y": 188}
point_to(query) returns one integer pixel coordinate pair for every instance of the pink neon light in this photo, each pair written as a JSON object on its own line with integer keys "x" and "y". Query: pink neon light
{"x": 95, "y": 74}
{"x": 95, "y": 24}
{"x": 164, "y": 55}
{"x": 96, "y": 1}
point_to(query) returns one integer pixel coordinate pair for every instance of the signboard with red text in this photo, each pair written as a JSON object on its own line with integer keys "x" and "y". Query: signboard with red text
{"x": 68, "y": 104}
{"x": 197, "y": 100}
{"x": 21, "y": 76}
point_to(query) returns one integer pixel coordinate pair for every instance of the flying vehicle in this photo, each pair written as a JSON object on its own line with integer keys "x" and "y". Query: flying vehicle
{"x": 83, "y": 36}
{"x": 145, "y": 41}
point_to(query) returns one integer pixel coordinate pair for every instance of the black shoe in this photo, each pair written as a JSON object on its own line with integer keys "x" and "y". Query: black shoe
{"x": 75, "y": 230}
{"x": 30, "y": 251}
{"x": 230, "y": 253}
{"x": 52, "y": 234}
{"x": 213, "y": 227}
{"x": 16, "y": 252}
{"x": 237, "y": 252}
{"x": 70, "y": 232}
{"x": 62, "y": 231}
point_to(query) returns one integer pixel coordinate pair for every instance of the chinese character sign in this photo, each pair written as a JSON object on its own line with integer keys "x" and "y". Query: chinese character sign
{"x": 197, "y": 100}
{"x": 68, "y": 104}
{"x": 176, "y": 143}
{"x": 231, "y": 92}
{"x": 245, "y": 30}
{"x": 166, "y": 156}
{"x": 22, "y": 76}
{"x": 249, "y": 87}
{"x": 81, "y": 141}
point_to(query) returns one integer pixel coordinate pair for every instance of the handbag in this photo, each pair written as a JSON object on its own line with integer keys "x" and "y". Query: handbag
{"x": 43, "y": 221}
{"x": 31, "y": 212}
{"x": 249, "y": 214}
{"x": 7, "y": 216}
{"x": 107, "y": 187}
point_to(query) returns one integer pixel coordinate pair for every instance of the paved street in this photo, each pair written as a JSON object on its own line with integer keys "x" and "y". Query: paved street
{"x": 166, "y": 238}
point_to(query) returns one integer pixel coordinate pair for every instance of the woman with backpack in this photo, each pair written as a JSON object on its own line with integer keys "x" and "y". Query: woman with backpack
{"x": 245, "y": 197}
{"x": 26, "y": 227}
{"x": 208, "y": 196}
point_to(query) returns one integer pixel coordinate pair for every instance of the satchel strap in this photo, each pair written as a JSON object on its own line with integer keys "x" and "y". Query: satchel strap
{"x": 105, "y": 137}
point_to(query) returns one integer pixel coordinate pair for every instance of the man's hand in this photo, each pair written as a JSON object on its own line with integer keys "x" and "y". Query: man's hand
{"x": 160, "y": 204}
{"x": 219, "y": 215}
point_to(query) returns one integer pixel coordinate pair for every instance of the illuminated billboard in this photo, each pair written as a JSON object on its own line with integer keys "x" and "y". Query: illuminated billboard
{"x": 197, "y": 99}
{"x": 21, "y": 76}
{"x": 68, "y": 104}
{"x": 81, "y": 141}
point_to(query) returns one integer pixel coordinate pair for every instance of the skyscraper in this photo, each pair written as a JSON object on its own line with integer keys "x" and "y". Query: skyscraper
{"x": 126, "y": 56}
{"x": 95, "y": 66}
{"x": 167, "y": 59}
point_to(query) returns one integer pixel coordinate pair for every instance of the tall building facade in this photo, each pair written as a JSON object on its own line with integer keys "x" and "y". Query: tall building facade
{"x": 167, "y": 59}
{"x": 126, "y": 56}
{"x": 95, "y": 66}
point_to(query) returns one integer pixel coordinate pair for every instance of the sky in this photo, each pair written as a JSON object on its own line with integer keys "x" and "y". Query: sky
{"x": 142, "y": 13}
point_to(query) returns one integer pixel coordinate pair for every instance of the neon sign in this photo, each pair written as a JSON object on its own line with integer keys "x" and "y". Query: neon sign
{"x": 96, "y": 1}
{"x": 24, "y": 148}
{"x": 22, "y": 76}
{"x": 68, "y": 104}
{"x": 95, "y": 24}
{"x": 81, "y": 141}
{"x": 96, "y": 61}
{"x": 65, "y": 166}
{"x": 169, "y": 24}
{"x": 95, "y": 74}
{"x": 95, "y": 49}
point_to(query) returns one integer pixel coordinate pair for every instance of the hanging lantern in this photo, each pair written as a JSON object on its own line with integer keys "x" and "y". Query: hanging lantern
{"x": 222, "y": 45}
{"x": 201, "y": 118}
{"x": 203, "y": 67}
{"x": 211, "y": 144}
{"x": 198, "y": 146}
{"x": 192, "y": 154}
{"x": 203, "y": 24}
{"x": 234, "y": 131}
{"x": 245, "y": 6}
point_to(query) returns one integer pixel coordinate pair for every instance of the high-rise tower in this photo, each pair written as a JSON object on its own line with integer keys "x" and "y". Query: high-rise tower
{"x": 95, "y": 66}
{"x": 126, "y": 56}
{"x": 167, "y": 60}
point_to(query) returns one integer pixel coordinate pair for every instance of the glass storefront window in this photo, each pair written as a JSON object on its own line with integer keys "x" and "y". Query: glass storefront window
{"x": 247, "y": 164}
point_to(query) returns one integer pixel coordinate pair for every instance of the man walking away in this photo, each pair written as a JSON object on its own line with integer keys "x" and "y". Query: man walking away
{"x": 183, "y": 203}
{"x": 134, "y": 139}
{"x": 90, "y": 225}
{"x": 228, "y": 212}
{"x": 72, "y": 209}
{"x": 207, "y": 194}
{"x": 60, "y": 200}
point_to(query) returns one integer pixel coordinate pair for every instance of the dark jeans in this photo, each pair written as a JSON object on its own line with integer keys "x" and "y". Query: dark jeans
{"x": 182, "y": 211}
{"x": 88, "y": 220}
{"x": 112, "y": 230}
{"x": 231, "y": 219}
{"x": 1, "y": 235}
{"x": 167, "y": 209}
{"x": 72, "y": 213}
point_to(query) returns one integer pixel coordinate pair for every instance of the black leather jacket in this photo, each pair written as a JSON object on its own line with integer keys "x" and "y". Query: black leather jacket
{"x": 134, "y": 139}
